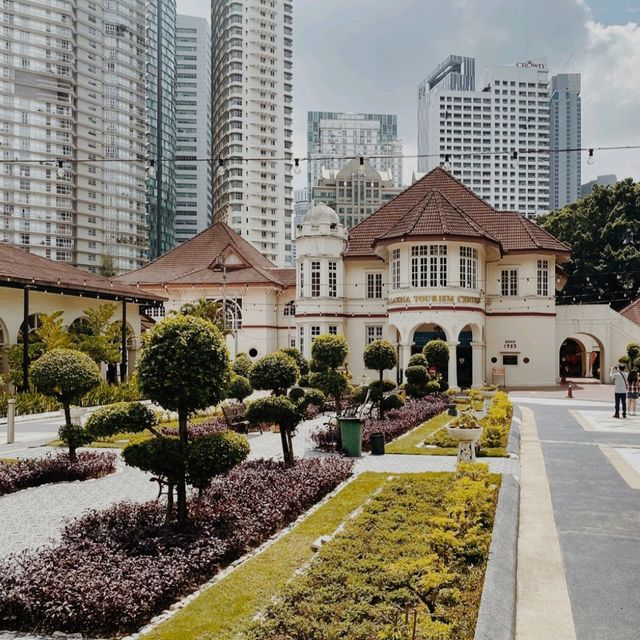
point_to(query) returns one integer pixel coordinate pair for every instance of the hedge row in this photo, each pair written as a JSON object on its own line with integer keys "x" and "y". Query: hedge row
{"x": 396, "y": 422}
{"x": 411, "y": 565}
{"x": 116, "y": 569}
{"x": 36, "y": 471}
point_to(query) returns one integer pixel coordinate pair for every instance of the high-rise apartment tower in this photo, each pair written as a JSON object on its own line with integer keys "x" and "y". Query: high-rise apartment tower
{"x": 565, "y": 113}
{"x": 494, "y": 139}
{"x": 335, "y": 137}
{"x": 72, "y": 123}
{"x": 193, "y": 118}
{"x": 252, "y": 86}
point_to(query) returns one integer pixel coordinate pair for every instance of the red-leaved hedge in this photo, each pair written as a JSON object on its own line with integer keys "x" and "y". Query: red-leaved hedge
{"x": 116, "y": 569}
{"x": 33, "y": 472}
{"x": 396, "y": 422}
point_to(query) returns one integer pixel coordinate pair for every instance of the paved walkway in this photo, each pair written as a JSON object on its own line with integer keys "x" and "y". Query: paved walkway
{"x": 593, "y": 479}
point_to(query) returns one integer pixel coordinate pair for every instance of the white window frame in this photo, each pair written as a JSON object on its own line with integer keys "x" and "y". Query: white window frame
{"x": 373, "y": 332}
{"x": 543, "y": 278}
{"x": 468, "y": 267}
{"x": 374, "y": 284}
{"x": 333, "y": 279}
{"x": 315, "y": 278}
{"x": 509, "y": 282}
{"x": 395, "y": 269}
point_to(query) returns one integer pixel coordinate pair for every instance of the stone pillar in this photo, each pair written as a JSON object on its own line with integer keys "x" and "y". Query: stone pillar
{"x": 452, "y": 378}
{"x": 478, "y": 376}
{"x": 405, "y": 354}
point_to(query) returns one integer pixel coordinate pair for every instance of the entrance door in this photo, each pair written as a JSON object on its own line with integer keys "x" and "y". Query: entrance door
{"x": 464, "y": 360}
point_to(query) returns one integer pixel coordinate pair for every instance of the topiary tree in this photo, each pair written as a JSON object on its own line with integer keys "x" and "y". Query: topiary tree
{"x": 380, "y": 356}
{"x": 296, "y": 394}
{"x": 417, "y": 380}
{"x": 121, "y": 417}
{"x": 275, "y": 372}
{"x": 242, "y": 365}
{"x": 281, "y": 411}
{"x": 213, "y": 455}
{"x": 437, "y": 354}
{"x": 329, "y": 353}
{"x": 300, "y": 360}
{"x": 66, "y": 375}
{"x": 633, "y": 351}
{"x": 240, "y": 388}
{"x": 417, "y": 360}
{"x": 184, "y": 366}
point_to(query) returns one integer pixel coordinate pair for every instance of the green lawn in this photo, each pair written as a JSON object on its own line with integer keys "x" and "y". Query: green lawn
{"x": 409, "y": 443}
{"x": 229, "y": 605}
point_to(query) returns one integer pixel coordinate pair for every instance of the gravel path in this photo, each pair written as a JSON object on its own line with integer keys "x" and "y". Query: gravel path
{"x": 34, "y": 517}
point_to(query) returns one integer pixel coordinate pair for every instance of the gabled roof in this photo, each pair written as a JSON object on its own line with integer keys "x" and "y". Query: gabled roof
{"x": 510, "y": 229}
{"x": 18, "y": 268}
{"x": 435, "y": 215}
{"x": 196, "y": 262}
{"x": 632, "y": 311}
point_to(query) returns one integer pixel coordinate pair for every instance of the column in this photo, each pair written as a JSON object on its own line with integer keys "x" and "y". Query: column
{"x": 405, "y": 354}
{"x": 452, "y": 378}
{"x": 478, "y": 376}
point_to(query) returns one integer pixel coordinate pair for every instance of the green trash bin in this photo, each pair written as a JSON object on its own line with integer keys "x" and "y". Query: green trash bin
{"x": 351, "y": 435}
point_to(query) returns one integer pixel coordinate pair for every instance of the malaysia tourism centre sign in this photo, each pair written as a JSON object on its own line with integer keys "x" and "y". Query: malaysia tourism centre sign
{"x": 447, "y": 299}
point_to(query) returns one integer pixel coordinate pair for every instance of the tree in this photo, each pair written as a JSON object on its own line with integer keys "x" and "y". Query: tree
{"x": 51, "y": 332}
{"x": 437, "y": 354}
{"x": 66, "y": 375}
{"x": 603, "y": 232}
{"x": 329, "y": 353}
{"x": 184, "y": 366}
{"x": 242, "y": 365}
{"x": 106, "y": 268}
{"x": 417, "y": 380}
{"x": 281, "y": 411}
{"x": 96, "y": 336}
{"x": 379, "y": 356}
{"x": 240, "y": 388}
{"x": 633, "y": 351}
{"x": 206, "y": 309}
{"x": 299, "y": 359}
{"x": 275, "y": 372}
{"x": 417, "y": 360}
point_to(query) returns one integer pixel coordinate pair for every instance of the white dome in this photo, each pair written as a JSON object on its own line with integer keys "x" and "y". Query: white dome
{"x": 321, "y": 214}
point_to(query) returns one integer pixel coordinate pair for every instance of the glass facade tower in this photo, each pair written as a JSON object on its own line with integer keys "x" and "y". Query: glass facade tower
{"x": 161, "y": 121}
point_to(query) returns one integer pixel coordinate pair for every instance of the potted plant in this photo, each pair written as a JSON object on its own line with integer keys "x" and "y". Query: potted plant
{"x": 466, "y": 431}
{"x": 488, "y": 390}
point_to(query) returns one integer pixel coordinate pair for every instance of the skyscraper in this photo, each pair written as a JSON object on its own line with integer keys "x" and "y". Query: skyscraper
{"x": 72, "y": 122}
{"x": 494, "y": 139}
{"x": 193, "y": 118}
{"x": 161, "y": 121}
{"x": 252, "y": 84}
{"x": 566, "y": 133}
{"x": 332, "y": 135}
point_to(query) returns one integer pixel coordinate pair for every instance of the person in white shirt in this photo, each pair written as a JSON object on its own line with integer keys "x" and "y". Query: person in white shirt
{"x": 619, "y": 379}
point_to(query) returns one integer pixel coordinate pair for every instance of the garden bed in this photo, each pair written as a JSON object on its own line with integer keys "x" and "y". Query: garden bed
{"x": 116, "y": 569}
{"x": 395, "y": 423}
{"x": 411, "y": 564}
{"x": 33, "y": 472}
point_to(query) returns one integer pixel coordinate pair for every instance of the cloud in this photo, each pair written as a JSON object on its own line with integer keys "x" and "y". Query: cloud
{"x": 358, "y": 55}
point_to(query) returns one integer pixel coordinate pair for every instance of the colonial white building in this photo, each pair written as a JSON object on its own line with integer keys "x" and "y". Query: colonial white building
{"x": 435, "y": 262}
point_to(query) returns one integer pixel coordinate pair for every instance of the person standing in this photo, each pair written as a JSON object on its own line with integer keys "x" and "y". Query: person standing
{"x": 632, "y": 391}
{"x": 619, "y": 379}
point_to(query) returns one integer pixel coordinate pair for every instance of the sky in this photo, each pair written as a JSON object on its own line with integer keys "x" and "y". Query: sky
{"x": 369, "y": 55}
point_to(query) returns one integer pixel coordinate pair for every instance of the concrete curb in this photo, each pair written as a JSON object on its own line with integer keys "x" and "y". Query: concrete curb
{"x": 497, "y": 615}
{"x": 513, "y": 444}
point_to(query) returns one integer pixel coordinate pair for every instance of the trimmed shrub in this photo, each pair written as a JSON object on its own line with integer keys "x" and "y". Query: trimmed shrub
{"x": 33, "y": 472}
{"x": 437, "y": 354}
{"x": 275, "y": 372}
{"x": 298, "y": 358}
{"x": 433, "y": 386}
{"x": 115, "y": 569}
{"x": 242, "y": 365}
{"x": 417, "y": 375}
{"x": 74, "y": 436}
{"x": 214, "y": 455}
{"x": 394, "y": 401}
{"x": 417, "y": 360}
{"x": 240, "y": 388}
{"x": 296, "y": 394}
{"x": 314, "y": 397}
{"x": 121, "y": 417}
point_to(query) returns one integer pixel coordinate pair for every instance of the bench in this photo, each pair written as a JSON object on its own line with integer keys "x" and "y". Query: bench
{"x": 235, "y": 418}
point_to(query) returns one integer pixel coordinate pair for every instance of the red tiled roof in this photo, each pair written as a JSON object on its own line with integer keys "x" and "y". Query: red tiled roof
{"x": 19, "y": 267}
{"x": 193, "y": 262}
{"x": 632, "y": 311}
{"x": 435, "y": 215}
{"x": 513, "y": 231}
